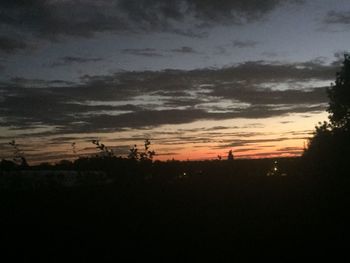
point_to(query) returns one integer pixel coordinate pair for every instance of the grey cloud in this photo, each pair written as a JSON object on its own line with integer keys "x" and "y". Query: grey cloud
{"x": 69, "y": 60}
{"x": 267, "y": 96}
{"x": 218, "y": 128}
{"x": 145, "y": 52}
{"x": 50, "y": 19}
{"x": 245, "y": 44}
{"x": 37, "y": 83}
{"x": 140, "y": 119}
{"x": 184, "y": 49}
{"x": 171, "y": 93}
{"x": 193, "y": 33}
{"x": 337, "y": 17}
{"x": 220, "y": 50}
{"x": 269, "y": 54}
{"x": 68, "y": 139}
{"x": 240, "y": 150}
{"x": 268, "y": 154}
{"x": 286, "y": 122}
{"x": 251, "y": 142}
{"x": 181, "y": 140}
{"x": 232, "y": 11}
{"x": 149, "y": 99}
{"x": 264, "y": 70}
{"x": 10, "y": 45}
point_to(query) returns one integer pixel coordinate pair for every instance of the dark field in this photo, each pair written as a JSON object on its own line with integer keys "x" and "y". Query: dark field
{"x": 219, "y": 214}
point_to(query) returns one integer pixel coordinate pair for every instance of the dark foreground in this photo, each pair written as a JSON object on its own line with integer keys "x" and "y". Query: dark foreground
{"x": 224, "y": 216}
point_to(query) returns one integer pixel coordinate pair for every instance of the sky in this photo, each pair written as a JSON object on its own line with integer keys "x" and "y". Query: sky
{"x": 196, "y": 77}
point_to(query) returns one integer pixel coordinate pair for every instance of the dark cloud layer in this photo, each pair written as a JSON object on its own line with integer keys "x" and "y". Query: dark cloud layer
{"x": 334, "y": 17}
{"x": 149, "y": 99}
{"x": 244, "y": 44}
{"x": 184, "y": 49}
{"x": 145, "y": 52}
{"x": 50, "y": 19}
{"x": 69, "y": 60}
{"x": 10, "y": 45}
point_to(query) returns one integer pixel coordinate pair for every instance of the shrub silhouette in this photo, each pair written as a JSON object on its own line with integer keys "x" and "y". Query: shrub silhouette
{"x": 133, "y": 153}
{"x": 146, "y": 155}
{"x": 18, "y": 155}
{"x": 104, "y": 151}
{"x": 6, "y": 165}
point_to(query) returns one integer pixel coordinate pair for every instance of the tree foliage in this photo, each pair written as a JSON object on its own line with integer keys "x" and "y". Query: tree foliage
{"x": 328, "y": 150}
{"x": 339, "y": 96}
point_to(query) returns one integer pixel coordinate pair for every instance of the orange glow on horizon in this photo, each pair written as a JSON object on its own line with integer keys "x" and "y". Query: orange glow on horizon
{"x": 283, "y": 136}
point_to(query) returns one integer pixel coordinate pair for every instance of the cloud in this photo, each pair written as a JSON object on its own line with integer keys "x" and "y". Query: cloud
{"x": 184, "y": 49}
{"x": 251, "y": 142}
{"x": 152, "y": 98}
{"x": 240, "y": 150}
{"x": 69, "y": 60}
{"x": 244, "y": 44}
{"x": 10, "y": 45}
{"x": 232, "y": 11}
{"x": 145, "y": 52}
{"x": 337, "y": 17}
{"x": 258, "y": 96}
{"x": 275, "y": 71}
{"x": 291, "y": 149}
{"x": 19, "y": 82}
{"x": 51, "y": 18}
{"x": 270, "y": 54}
{"x": 167, "y": 153}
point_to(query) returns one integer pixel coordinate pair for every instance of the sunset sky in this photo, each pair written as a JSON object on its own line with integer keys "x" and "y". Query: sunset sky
{"x": 196, "y": 77}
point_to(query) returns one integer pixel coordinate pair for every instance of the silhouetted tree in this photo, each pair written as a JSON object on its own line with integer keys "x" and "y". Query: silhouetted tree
{"x": 133, "y": 153}
{"x": 328, "y": 150}
{"x": 339, "y": 96}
